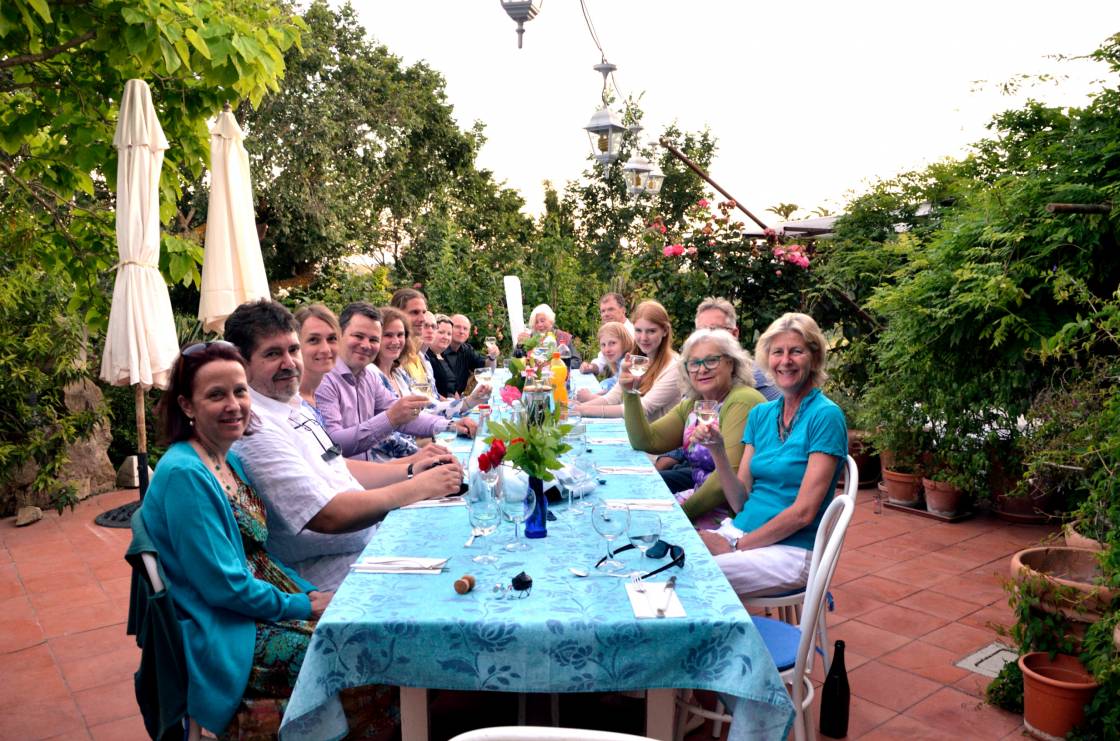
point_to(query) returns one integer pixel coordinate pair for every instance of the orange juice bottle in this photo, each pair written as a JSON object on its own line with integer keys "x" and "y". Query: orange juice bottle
{"x": 559, "y": 385}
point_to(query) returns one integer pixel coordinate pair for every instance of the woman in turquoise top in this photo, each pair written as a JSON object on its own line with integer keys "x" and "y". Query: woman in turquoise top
{"x": 244, "y": 617}
{"x": 794, "y": 448}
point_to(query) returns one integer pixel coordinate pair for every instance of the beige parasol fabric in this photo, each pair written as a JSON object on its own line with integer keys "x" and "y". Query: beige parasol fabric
{"x": 232, "y": 267}
{"x": 141, "y": 343}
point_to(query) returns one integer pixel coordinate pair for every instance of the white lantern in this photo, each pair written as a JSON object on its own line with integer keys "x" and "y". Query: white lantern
{"x": 605, "y": 133}
{"x": 635, "y": 171}
{"x": 654, "y": 178}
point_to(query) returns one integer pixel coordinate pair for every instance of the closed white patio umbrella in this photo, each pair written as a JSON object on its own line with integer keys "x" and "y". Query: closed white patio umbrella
{"x": 141, "y": 344}
{"x": 232, "y": 266}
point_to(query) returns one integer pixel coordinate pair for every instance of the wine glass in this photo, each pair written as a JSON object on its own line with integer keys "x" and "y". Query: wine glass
{"x": 515, "y": 496}
{"x": 639, "y": 364}
{"x": 423, "y": 389}
{"x": 491, "y": 345}
{"x": 706, "y": 411}
{"x": 483, "y": 375}
{"x": 644, "y": 531}
{"x": 484, "y": 514}
{"x": 610, "y": 521}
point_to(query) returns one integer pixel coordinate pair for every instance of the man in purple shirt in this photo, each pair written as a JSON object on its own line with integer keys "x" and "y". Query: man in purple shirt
{"x": 358, "y": 410}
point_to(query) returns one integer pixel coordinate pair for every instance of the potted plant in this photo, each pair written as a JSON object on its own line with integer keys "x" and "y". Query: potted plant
{"x": 1056, "y": 689}
{"x": 899, "y": 431}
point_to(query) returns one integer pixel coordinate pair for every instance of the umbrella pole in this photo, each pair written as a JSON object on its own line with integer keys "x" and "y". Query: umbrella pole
{"x": 141, "y": 442}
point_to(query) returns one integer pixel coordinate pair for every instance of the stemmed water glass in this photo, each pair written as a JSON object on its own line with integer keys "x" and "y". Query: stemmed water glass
{"x": 705, "y": 410}
{"x": 644, "y": 531}
{"x": 515, "y": 495}
{"x": 639, "y": 364}
{"x": 484, "y": 513}
{"x": 610, "y": 521}
{"x": 491, "y": 349}
{"x": 583, "y": 481}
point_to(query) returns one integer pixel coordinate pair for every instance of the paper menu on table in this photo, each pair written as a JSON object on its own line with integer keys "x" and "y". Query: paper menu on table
{"x": 647, "y": 597}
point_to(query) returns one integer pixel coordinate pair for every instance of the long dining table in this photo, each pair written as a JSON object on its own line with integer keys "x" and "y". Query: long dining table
{"x": 567, "y": 634}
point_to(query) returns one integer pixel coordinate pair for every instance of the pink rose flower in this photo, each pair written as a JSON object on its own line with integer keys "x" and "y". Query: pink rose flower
{"x": 690, "y": 251}
{"x": 702, "y": 203}
{"x": 510, "y": 394}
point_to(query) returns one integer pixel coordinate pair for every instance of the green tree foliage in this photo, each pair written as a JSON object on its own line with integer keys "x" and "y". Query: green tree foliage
{"x": 352, "y": 149}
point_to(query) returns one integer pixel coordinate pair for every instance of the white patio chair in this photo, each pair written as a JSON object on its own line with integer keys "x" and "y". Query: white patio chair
{"x": 790, "y": 646}
{"x": 789, "y": 605}
{"x": 538, "y": 733}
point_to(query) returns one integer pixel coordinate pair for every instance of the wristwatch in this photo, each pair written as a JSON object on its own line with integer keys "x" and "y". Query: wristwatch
{"x": 409, "y": 471}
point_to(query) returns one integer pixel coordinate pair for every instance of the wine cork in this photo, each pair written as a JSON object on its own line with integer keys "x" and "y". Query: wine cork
{"x": 464, "y": 584}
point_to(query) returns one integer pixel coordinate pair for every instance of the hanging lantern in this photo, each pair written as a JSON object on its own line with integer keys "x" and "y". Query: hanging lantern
{"x": 654, "y": 178}
{"x": 520, "y": 11}
{"x": 605, "y": 133}
{"x": 635, "y": 171}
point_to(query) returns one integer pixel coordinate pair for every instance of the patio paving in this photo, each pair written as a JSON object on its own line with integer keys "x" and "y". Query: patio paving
{"x": 913, "y": 597}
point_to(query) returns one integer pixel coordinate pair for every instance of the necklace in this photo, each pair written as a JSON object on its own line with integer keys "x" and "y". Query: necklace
{"x": 218, "y": 464}
{"x": 783, "y": 428}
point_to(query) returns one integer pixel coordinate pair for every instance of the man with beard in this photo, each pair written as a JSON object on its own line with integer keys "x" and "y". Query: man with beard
{"x": 322, "y": 508}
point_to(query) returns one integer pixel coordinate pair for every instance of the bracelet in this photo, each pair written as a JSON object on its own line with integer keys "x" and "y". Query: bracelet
{"x": 735, "y": 544}
{"x": 409, "y": 471}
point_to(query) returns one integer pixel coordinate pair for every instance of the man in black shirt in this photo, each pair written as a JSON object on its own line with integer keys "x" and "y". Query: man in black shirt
{"x": 460, "y": 356}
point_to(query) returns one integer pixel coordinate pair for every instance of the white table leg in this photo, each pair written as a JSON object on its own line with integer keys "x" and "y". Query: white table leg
{"x": 414, "y": 714}
{"x": 660, "y": 705}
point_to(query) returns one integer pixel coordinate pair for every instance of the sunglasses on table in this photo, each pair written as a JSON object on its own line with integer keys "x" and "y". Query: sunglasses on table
{"x": 658, "y": 550}
{"x": 710, "y": 362}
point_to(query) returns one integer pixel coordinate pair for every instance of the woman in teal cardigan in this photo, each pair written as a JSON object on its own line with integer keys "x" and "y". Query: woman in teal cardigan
{"x": 245, "y": 617}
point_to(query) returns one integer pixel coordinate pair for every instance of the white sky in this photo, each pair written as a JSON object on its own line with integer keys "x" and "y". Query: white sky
{"x": 807, "y": 100}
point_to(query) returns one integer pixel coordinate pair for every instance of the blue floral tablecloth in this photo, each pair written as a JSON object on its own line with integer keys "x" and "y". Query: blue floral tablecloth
{"x": 570, "y": 635}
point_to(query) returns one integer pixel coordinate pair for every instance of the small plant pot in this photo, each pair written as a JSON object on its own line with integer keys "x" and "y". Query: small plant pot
{"x": 1055, "y": 693}
{"x": 942, "y": 498}
{"x": 902, "y": 488}
{"x": 1075, "y": 539}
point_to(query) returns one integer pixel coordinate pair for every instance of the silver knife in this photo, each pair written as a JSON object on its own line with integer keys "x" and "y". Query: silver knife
{"x": 670, "y": 586}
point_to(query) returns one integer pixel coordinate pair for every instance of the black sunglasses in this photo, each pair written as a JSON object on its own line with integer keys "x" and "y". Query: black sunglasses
{"x": 328, "y": 453}
{"x": 657, "y": 550}
{"x": 201, "y": 347}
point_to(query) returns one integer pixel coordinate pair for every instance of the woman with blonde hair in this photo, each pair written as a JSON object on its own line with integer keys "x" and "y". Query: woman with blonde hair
{"x": 659, "y": 386}
{"x": 717, "y": 376}
{"x": 793, "y": 452}
{"x": 615, "y": 343}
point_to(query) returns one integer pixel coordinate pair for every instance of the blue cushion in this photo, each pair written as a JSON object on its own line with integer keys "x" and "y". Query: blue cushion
{"x": 781, "y": 640}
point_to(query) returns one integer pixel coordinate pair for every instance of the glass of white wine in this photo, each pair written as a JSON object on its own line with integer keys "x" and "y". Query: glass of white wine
{"x": 706, "y": 411}
{"x": 639, "y": 364}
{"x": 423, "y": 389}
{"x": 484, "y": 375}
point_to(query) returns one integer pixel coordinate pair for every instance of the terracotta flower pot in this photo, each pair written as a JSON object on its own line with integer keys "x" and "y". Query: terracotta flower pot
{"x": 902, "y": 488}
{"x": 1035, "y": 508}
{"x": 942, "y": 498}
{"x": 866, "y": 461}
{"x": 1075, "y": 539}
{"x": 1072, "y": 576}
{"x": 1055, "y": 693}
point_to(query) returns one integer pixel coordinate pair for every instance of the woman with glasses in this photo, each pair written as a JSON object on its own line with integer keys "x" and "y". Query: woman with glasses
{"x": 246, "y": 618}
{"x": 793, "y": 451}
{"x": 659, "y": 386}
{"x": 717, "y": 376}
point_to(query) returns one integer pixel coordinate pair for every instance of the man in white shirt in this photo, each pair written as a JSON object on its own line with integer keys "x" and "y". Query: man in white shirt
{"x": 322, "y": 508}
{"x": 612, "y": 308}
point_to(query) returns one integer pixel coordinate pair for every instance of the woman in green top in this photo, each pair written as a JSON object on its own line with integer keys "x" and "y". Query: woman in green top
{"x": 714, "y": 368}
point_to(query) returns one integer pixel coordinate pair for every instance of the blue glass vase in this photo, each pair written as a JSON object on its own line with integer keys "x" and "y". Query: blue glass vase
{"x": 536, "y": 524}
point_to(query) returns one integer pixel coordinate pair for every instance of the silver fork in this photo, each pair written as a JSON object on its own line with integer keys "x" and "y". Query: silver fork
{"x": 636, "y": 578}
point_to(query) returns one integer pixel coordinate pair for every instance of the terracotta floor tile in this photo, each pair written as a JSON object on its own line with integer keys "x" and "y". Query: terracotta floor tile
{"x": 30, "y": 676}
{"x": 850, "y": 604}
{"x": 905, "y": 728}
{"x": 917, "y": 572}
{"x": 65, "y": 620}
{"x": 41, "y": 720}
{"x": 963, "y": 639}
{"x": 954, "y": 711}
{"x": 49, "y": 567}
{"x": 107, "y": 668}
{"x": 978, "y": 590}
{"x": 72, "y": 597}
{"x": 857, "y": 559}
{"x": 926, "y": 660}
{"x": 54, "y": 549}
{"x": 884, "y": 590}
{"x": 20, "y": 633}
{"x": 78, "y": 734}
{"x": 94, "y": 642}
{"x": 936, "y": 603}
{"x": 991, "y": 618}
{"x": 948, "y": 559}
{"x": 79, "y": 576}
{"x": 10, "y": 583}
{"x": 912, "y": 541}
{"x": 117, "y": 587}
{"x": 111, "y": 569}
{"x": 944, "y": 534}
{"x": 866, "y": 639}
{"x": 903, "y": 621}
{"x": 973, "y": 684}
{"x": 17, "y": 608}
{"x": 124, "y": 729}
{"x": 885, "y": 549}
{"x": 890, "y": 687}
{"x": 107, "y": 702}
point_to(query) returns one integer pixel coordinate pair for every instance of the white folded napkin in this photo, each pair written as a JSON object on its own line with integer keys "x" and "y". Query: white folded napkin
{"x": 442, "y": 502}
{"x": 645, "y": 603}
{"x": 626, "y": 469}
{"x": 398, "y": 565}
{"x": 654, "y": 505}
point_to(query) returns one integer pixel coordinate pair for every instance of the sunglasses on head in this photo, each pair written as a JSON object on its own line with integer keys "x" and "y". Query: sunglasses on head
{"x": 200, "y": 347}
{"x": 658, "y": 550}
